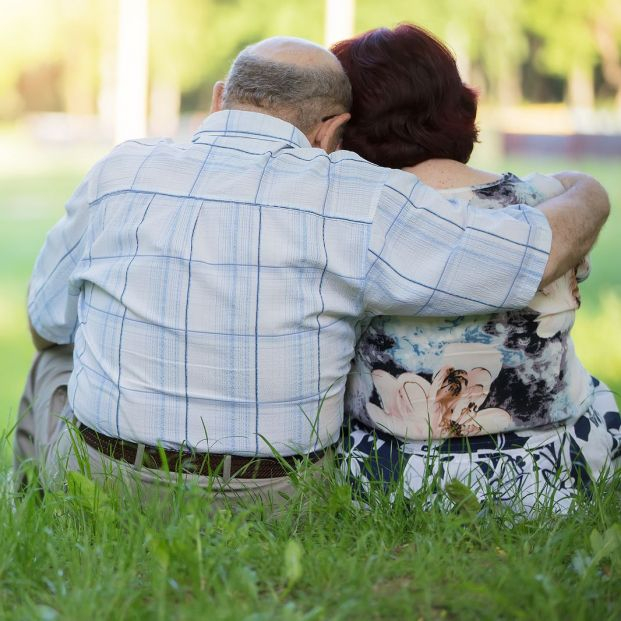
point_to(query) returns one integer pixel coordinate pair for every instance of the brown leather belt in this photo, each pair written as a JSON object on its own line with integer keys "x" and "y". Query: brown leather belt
{"x": 158, "y": 458}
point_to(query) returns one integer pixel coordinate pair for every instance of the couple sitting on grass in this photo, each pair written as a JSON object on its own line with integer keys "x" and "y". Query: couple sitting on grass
{"x": 198, "y": 308}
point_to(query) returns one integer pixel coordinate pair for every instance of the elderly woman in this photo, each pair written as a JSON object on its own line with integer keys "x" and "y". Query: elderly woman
{"x": 499, "y": 402}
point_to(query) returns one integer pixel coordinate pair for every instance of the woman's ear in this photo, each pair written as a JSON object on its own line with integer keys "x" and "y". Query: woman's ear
{"x": 330, "y": 131}
{"x": 216, "y": 97}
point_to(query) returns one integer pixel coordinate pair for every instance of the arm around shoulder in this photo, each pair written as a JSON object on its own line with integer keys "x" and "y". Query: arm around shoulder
{"x": 431, "y": 256}
{"x": 576, "y": 217}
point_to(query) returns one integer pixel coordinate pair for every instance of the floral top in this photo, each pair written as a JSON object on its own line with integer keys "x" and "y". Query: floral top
{"x": 422, "y": 378}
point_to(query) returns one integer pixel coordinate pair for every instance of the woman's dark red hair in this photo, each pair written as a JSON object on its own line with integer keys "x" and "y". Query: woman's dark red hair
{"x": 410, "y": 104}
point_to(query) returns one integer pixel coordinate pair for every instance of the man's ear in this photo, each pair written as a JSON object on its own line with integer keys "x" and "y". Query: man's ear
{"x": 216, "y": 97}
{"x": 329, "y": 132}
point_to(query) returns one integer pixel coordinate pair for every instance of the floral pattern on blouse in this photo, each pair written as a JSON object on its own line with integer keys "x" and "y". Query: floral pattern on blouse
{"x": 421, "y": 378}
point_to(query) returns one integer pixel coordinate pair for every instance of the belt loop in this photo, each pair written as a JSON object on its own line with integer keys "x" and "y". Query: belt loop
{"x": 226, "y": 468}
{"x": 139, "y": 456}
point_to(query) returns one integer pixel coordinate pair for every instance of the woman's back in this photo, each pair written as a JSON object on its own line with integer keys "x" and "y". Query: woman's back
{"x": 421, "y": 378}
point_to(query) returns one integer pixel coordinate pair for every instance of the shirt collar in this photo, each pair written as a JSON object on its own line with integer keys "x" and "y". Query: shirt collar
{"x": 241, "y": 123}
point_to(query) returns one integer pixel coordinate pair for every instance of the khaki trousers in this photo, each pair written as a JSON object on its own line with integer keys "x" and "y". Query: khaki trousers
{"x": 46, "y": 438}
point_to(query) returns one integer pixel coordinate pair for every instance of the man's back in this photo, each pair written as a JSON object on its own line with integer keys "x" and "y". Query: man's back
{"x": 218, "y": 284}
{"x": 219, "y": 288}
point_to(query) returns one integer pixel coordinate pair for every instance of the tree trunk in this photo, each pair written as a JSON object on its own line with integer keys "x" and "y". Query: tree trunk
{"x": 132, "y": 70}
{"x": 580, "y": 88}
{"x": 339, "y": 21}
{"x": 611, "y": 59}
{"x": 164, "y": 109}
{"x": 509, "y": 88}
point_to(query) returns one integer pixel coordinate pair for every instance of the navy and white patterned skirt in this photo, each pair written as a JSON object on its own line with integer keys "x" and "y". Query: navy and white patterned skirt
{"x": 526, "y": 470}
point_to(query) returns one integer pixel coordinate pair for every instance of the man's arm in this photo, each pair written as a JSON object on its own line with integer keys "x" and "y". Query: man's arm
{"x": 575, "y": 217}
{"x": 430, "y": 255}
{"x": 52, "y": 304}
{"x": 38, "y": 341}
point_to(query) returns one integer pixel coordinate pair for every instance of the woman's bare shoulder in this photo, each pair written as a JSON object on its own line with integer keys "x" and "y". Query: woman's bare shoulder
{"x": 449, "y": 174}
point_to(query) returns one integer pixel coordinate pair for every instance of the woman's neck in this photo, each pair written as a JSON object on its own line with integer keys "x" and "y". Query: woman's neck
{"x": 449, "y": 174}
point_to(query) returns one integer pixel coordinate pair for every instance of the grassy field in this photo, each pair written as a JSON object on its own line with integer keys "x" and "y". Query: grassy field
{"x": 76, "y": 556}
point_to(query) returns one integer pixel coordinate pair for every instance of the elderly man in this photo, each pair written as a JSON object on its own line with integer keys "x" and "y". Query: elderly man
{"x": 196, "y": 308}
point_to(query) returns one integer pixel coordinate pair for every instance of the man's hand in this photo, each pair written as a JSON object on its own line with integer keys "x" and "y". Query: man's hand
{"x": 576, "y": 216}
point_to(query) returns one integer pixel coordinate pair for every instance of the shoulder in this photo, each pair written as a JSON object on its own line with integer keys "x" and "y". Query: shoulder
{"x": 134, "y": 152}
{"x": 401, "y": 188}
{"x": 349, "y": 163}
{"x": 355, "y": 185}
{"x": 449, "y": 175}
{"x": 118, "y": 170}
{"x": 547, "y": 185}
{"x": 509, "y": 189}
{"x": 365, "y": 188}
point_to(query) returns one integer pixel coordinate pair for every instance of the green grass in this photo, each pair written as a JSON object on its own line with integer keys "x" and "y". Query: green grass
{"x": 80, "y": 556}
{"x": 62, "y": 558}
{"x": 29, "y": 206}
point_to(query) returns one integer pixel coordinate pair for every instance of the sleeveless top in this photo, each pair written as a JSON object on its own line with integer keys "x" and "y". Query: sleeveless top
{"x": 422, "y": 378}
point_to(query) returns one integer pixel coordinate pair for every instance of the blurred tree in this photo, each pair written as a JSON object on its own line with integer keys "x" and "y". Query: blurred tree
{"x": 80, "y": 47}
{"x": 607, "y": 30}
{"x": 568, "y": 48}
{"x": 339, "y": 20}
{"x": 194, "y": 41}
{"x": 485, "y": 36}
{"x": 61, "y": 33}
{"x": 24, "y": 42}
{"x": 61, "y": 53}
{"x": 191, "y": 45}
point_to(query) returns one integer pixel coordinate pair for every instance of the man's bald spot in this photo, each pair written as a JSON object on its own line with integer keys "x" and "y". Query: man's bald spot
{"x": 293, "y": 79}
{"x": 294, "y": 51}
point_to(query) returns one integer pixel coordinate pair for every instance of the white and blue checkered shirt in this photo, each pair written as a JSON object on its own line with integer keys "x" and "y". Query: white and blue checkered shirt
{"x": 213, "y": 289}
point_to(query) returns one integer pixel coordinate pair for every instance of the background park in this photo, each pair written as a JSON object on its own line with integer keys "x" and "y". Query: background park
{"x": 78, "y": 76}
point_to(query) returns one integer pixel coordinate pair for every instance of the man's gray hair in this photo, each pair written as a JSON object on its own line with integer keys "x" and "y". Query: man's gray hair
{"x": 298, "y": 94}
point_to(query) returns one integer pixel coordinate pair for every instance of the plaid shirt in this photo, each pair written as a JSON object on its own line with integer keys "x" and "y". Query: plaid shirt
{"x": 213, "y": 289}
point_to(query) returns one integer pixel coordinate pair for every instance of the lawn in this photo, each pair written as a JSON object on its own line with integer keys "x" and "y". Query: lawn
{"x": 77, "y": 556}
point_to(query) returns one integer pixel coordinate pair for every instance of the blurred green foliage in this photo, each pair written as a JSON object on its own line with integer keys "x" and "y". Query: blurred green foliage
{"x": 562, "y": 26}
{"x": 69, "y": 43}
{"x": 193, "y": 41}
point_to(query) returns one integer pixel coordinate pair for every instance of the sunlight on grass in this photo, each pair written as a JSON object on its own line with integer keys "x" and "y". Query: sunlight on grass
{"x": 15, "y": 354}
{"x": 12, "y": 316}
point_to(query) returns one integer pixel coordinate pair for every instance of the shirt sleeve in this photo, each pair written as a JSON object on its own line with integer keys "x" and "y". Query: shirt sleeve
{"x": 430, "y": 255}
{"x": 52, "y": 300}
{"x": 550, "y": 186}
